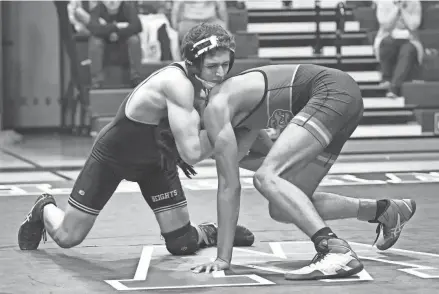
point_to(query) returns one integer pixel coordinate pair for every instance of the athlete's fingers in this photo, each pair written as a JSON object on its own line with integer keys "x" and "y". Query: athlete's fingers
{"x": 198, "y": 269}
{"x": 208, "y": 269}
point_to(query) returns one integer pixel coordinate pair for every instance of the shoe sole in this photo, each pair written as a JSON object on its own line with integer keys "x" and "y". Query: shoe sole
{"x": 26, "y": 227}
{"x": 340, "y": 275}
{"x": 413, "y": 204}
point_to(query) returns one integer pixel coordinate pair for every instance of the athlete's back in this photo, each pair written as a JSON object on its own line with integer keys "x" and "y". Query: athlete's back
{"x": 288, "y": 88}
{"x": 275, "y": 84}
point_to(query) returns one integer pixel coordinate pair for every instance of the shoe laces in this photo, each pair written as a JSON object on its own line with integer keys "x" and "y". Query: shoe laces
{"x": 318, "y": 257}
{"x": 378, "y": 232}
{"x": 324, "y": 260}
{"x": 393, "y": 232}
{"x": 329, "y": 261}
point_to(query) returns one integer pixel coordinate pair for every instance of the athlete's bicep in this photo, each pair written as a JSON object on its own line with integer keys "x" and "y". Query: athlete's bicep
{"x": 183, "y": 119}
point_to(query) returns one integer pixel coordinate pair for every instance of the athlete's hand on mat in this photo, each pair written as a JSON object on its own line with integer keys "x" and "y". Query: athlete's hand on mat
{"x": 217, "y": 265}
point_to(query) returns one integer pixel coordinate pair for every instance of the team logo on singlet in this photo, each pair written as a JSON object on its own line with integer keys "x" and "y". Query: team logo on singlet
{"x": 164, "y": 196}
{"x": 280, "y": 119}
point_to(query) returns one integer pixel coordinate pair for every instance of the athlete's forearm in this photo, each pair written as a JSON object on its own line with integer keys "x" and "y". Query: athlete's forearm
{"x": 228, "y": 213}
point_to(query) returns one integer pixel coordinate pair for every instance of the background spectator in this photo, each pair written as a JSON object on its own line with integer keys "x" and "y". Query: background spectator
{"x": 159, "y": 40}
{"x": 121, "y": 27}
{"x": 186, "y": 14}
{"x": 397, "y": 45}
{"x": 79, "y": 15}
{"x": 154, "y": 7}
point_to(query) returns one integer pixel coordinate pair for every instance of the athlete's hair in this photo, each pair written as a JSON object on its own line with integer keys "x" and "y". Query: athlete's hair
{"x": 205, "y": 31}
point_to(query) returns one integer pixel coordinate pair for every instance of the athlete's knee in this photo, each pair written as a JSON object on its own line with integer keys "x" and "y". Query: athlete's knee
{"x": 277, "y": 215}
{"x": 183, "y": 241}
{"x": 74, "y": 227}
{"x": 264, "y": 177}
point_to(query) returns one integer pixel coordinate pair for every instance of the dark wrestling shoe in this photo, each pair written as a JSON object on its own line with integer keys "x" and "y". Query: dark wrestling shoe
{"x": 243, "y": 236}
{"x": 32, "y": 229}
{"x": 392, "y": 221}
{"x": 335, "y": 259}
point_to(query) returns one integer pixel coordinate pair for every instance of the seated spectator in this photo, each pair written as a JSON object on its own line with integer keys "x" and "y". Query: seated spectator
{"x": 397, "y": 45}
{"x": 154, "y": 7}
{"x": 158, "y": 40}
{"x": 122, "y": 26}
{"x": 186, "y": 14}
{"x": 79, "y": 15}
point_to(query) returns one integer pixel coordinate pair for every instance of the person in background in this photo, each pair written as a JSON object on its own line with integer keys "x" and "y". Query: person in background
{"x": 397, "y": 45}
{"x": 187, "y": 14}
{"x": 79, "y": 15}
{"x": 121, "y": 25}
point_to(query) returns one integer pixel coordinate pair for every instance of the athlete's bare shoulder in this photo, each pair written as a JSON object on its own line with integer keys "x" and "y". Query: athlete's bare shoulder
{"x": 239, "y": 89}
{"x": 220, "y": 94}
{"x": 177, "y": 87}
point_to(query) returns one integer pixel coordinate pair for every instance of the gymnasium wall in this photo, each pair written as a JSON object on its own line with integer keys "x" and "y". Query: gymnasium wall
{"x": 32, "y": 82}
{"x": 1, "y": 71}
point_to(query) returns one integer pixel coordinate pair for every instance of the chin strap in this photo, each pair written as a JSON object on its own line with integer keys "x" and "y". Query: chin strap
{"x": 207, "y": 85}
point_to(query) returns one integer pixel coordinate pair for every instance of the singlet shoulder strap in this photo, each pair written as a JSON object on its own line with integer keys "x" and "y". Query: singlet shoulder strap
{"x": 179, "y": 66}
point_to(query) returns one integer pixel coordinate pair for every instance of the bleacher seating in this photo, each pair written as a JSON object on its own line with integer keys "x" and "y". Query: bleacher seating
{"x": 266, "y": 33}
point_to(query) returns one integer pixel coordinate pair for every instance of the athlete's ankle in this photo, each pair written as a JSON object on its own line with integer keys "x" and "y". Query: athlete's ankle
{"x": 370, "y": 210}
{"x": 324, "y": 233}
{"x": 381, "y": 207}
{"x": 367, "y": 209}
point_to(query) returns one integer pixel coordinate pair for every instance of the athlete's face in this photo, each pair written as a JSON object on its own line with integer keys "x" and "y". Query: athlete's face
{"x": 215, "y": 66}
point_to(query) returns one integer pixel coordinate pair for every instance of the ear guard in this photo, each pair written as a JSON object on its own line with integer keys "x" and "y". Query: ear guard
{"x": 203, "y": 46}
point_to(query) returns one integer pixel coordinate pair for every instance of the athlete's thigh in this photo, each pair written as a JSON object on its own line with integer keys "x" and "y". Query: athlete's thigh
{"x": 310, "y": 176}
{"x": 324, "y": 124}
{"x": 294, "y": 149}
{"x": 92, "y": 189}
{"x": 307, "y": 180}
{"x": 163, "y": 192}
{"x": 262, "y": 144}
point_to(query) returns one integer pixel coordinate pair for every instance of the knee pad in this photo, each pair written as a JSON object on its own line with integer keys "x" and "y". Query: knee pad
{"x": 183, "y": 241}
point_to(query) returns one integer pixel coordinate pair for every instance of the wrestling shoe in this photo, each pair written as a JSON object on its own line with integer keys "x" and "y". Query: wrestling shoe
{"x": 32, "y": 229}
{"x": 392, "y": 221}
{"x": 334, "y": 259}
{"x": 243, "y": 236}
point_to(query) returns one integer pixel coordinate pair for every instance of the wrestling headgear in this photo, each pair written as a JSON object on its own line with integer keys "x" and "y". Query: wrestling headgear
{"x": 204, "y": 38}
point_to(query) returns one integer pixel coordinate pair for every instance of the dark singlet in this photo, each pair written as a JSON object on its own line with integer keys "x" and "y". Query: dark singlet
{"x": 287, "y": 90}
{"x": 126, "y": 142}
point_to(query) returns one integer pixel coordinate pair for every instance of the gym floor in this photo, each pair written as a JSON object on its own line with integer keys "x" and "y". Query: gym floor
{"x": 124, "y": 251}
